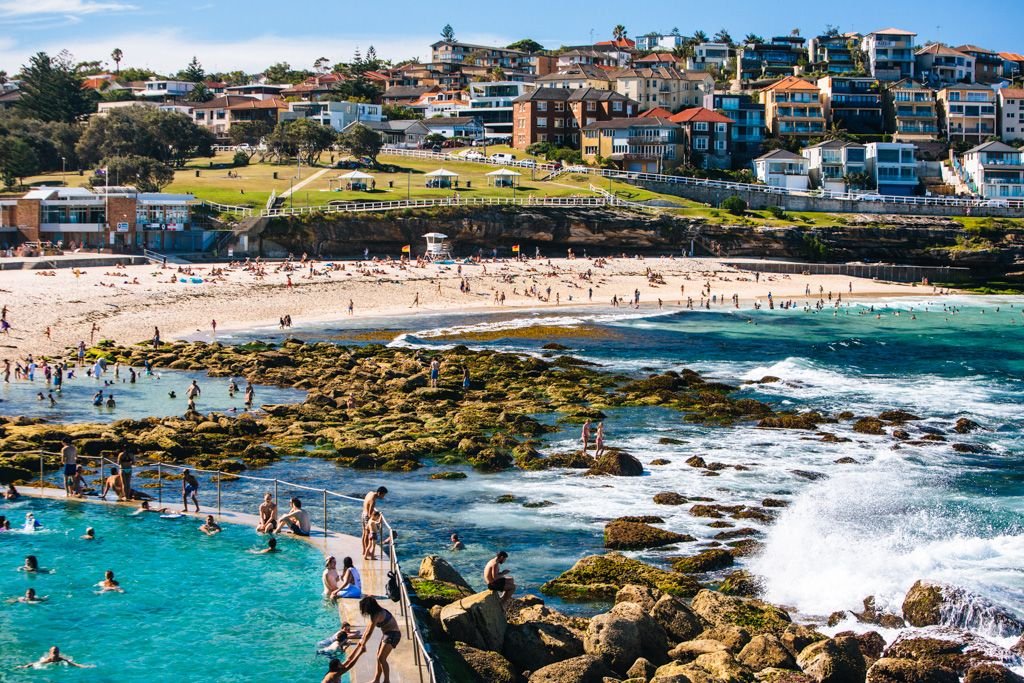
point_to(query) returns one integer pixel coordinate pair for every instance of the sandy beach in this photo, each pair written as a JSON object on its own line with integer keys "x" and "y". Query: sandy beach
{"x": 126, "y": 303}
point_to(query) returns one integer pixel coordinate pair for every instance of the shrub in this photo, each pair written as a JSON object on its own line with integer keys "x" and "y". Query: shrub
{"x": 777, "y": 212}
{"x": 735, "y": 205}
{"x": 240, "y": 159}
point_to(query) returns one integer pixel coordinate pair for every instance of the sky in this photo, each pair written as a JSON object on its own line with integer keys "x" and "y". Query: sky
{"x": 229, "y": 35}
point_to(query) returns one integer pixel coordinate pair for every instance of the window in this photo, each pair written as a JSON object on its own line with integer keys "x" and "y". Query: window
{"x": 559, "y": 123}
{"x": 720, "y": 127}
{"x": 700, "y": 143}
{"x": 542, "y": 106}
{"x": 591, "y": 106}
{"x": 559, "y": 106}
{"x": 720, "y": 145}
{"x": 542, "y": 137}
{"x": 558, "y": 139}
{"x": 200, "y": 115}
{"x": 542, "y": 122}
{"x": 617, "y": 105}
{"x": 700, "y": 125}
{"x": 590, "y": 151}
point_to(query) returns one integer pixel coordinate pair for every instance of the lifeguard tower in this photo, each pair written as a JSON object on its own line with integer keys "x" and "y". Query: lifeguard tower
{"x": 437, "y": 248}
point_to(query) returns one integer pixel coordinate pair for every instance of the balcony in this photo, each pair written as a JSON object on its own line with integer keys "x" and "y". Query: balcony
{"x": 797, "y": 129}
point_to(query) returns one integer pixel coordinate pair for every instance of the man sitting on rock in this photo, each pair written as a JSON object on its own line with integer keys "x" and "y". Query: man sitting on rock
{"x": 499, "y": 579}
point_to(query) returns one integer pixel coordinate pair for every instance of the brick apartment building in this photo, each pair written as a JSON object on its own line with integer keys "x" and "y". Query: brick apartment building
{"x": 556, "y": 115}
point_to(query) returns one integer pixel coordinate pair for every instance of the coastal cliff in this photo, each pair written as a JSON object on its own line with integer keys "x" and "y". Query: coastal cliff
{"x": 990, "y": 251}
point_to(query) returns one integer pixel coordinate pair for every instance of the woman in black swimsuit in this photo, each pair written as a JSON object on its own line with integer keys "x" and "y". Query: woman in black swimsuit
{"x": 391, "y": 635}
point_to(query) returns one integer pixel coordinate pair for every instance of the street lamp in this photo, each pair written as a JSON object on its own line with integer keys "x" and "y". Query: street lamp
{"x": 63, "y": 170}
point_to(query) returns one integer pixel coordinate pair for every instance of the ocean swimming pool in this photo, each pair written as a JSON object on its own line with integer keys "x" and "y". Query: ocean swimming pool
{"x": 148, "y": 396}
{"x": 194, "y": 607}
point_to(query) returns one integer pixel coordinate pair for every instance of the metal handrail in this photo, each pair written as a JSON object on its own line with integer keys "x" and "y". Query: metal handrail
{"x": 421, "y": 655}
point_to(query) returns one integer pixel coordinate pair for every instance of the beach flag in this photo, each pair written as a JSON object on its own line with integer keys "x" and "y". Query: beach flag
{"x": 407, "y": 249}
{"x": 515, "y": 248}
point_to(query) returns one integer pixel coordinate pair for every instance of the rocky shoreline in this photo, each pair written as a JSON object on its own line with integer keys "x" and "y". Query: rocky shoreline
{"x": 371, "y": 407}
{"x": 653, "y": 634}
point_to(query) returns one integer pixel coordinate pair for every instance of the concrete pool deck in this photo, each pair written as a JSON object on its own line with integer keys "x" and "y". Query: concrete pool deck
{"x": 374, "y": 576}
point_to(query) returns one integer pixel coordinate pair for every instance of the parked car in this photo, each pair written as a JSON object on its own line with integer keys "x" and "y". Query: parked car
{"x": 868, "y": 197}
{"x": 997, "y": 203}
{"x": 473, "y": 154}
{"x": 528, "y": 163}
{"x": 437, "y": 149}
{"x": 502, "y": 158}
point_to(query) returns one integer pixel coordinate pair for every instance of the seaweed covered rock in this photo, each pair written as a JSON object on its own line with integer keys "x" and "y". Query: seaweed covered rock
{"x": 582, "y": 669}
{"x": 436, "y": 568}
{"x": 837, "y": 660}
{"x": 669, "y": 498}
{"x": 892, "y": 670}
{"x": 751, "y": 614}
{"x": 599, "y": 577}
{"x": 617, "y": 464}
{"x": 707, "y": 561}
{"x": 488, "y": 667}
{"x": 428, "y": 593}
{"x": 952, "y": 648}
{"x": 992, "y": 673}
{"x": 624, "y": 634}
{"x": 930, "y": 603}
{"x": 626, "y": 535}
{"x": 869, "y": 425}
{"x": 741, "y": 583}
{"x": 477, "y": 620}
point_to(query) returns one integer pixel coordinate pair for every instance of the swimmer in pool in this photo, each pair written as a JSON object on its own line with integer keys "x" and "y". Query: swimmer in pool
{"x": 89, "y": 535}
{"x": 336, "y": 669}
{"x": 210, "y": 528}
{"x": 271, "y": 547}
{"x": 29, "y": 598}
{"x": 339, "y": 641}
{"x": 52, "y": 657}
{"x": 31, "y": 523}
{"x": 144, "y": 507}
{"x": 109, "y": 584}
{"x": 31, "y": 565}
{"x": 11, "y": 493}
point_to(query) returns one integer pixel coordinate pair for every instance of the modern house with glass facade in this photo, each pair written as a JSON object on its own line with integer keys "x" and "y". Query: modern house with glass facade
{"x": 893, "y": 167}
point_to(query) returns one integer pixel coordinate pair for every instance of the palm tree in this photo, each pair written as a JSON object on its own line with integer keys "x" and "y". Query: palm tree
{"x": 700, "y": 37}
{"x": 753, "y": 39}
{"x": 117, "y": 56}
{"x": 619, "y": 32}
{"x": 723, "y": 36}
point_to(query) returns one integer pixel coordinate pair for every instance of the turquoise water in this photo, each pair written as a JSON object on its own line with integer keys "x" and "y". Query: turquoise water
{"x": 147, "y": 397}
{"x": 194, "y": 607}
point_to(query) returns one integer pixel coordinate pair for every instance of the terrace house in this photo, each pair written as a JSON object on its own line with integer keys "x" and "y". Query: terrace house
{"x": 835, "y": 54}
{"x": 831, "y": 163}
{"x": 853, "y": 103}
{"x": 890, "y": 53}
{"x": 1011, "y": 114}
{"x": 910, "y": 111}
{"x": 666, "y": 87}
{"x": 995, "y": 170}
{"x": 968, "y": 112}
{"x": 792, "y": 108}
{"x": 782, "y": 168}
{"x": 988, "y": 65}
{"x": 641, "y": 145}
{"x": 707, "y": 137}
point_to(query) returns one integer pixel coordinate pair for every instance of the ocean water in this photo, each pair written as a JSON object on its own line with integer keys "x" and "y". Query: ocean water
{"x": 872, "y": 528}
{"x": 194, "y": 607}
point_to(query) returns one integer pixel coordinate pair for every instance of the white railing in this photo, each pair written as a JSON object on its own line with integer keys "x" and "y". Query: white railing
{"x": 224, "y": 148}
{"x": 362, "y": 207}
{"x": 154, "y": 257}
{"x": 421, "y": 655}
{"x": 628, "y": 176}
{"x": 444, "y": 156}
{"x": 615, "y": 200}
{"x": 240, "y": 211}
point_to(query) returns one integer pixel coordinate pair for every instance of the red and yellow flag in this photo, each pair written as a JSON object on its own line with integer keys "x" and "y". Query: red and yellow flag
{"x": 407, "y": 249}
{"x": 515, "y": 248}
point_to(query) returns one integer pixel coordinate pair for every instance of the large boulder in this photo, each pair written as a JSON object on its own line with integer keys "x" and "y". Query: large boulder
{"x": 582, "y": 669}
{"x": 623, "y": 634}
{"x": 676, "y": 618}
{"x": 642, "y": 669}
{"x": 429, "y": 593}
{"x": 952, "y": 648}
{"x": 488, "y": 667}
{"x": 478, "y": 621}
{"x": 734, "y": 637}
{"x": 836, "y": 660}
{"x": 622, "y": 534}
{"x": 599, "y": 577}
{"x": 992, "y": 673}
{"x": 435, "y": 568}
{"x": 677, "y": 672}
{"x": 723, "y": 667}
{"x": 892, "y": 670}
{"x": 691, "y": 649}
{"x": 930, "y": 603}
{"x": 645, "y": 596}
{"x": 753, "y": 615}
{"x": 797, "y": 636}
{"x": 618, "y": 464}
{"x": 533, "y": 645}
{"x": 766, "y": 651}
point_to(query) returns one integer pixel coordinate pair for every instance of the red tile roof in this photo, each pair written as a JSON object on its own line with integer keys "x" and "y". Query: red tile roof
{"x": 658, "y": 58}
{"x": 792, "y": 83}
{"x": 269, "y": 103}
{"x": 1012, "y": 93}
{"x": 700, "y": 114}
{"x": 657, "y": 112}
{"x": 618, "y": 42}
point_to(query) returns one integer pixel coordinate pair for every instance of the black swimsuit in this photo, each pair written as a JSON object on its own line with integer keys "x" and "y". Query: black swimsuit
{"x": 389, "y": 627}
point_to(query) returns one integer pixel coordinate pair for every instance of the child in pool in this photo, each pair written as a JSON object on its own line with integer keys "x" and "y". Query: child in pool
{"x": 30, "y": 598}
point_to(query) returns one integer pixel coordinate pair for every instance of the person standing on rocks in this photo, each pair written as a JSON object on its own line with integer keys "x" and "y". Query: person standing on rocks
{"x": 498, "y": 579}
{"x": 193, "y": 392}
{"x": 435, "y": 372}
{"x": 585, "y": 435}
{"x": 599, "y": 440}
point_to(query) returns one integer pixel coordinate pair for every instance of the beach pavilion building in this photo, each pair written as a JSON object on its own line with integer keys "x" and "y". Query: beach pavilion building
{"x": 503, "y": 177}
{"x": 442, "y": 178}
{"x": 117, "y": 218}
